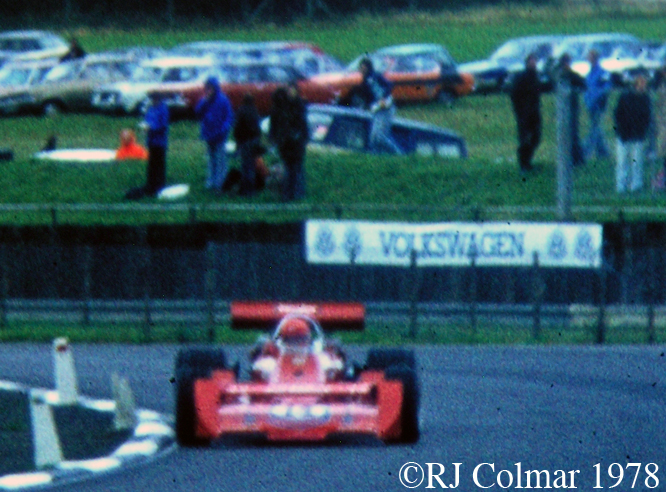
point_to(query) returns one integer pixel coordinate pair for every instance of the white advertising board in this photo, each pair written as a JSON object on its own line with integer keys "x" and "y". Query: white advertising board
{"x": 453, "y": 243}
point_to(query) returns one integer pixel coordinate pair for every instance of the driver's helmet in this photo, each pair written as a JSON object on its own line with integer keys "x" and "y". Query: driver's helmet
{"x": 295, "y": 332}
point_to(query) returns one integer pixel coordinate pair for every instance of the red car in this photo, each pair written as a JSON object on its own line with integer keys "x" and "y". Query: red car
{"x": 260, "y": 79}
{"x": 299, "y": 386}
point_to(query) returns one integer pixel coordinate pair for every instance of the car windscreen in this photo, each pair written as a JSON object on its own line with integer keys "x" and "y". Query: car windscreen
{"x": 14, "y": 76}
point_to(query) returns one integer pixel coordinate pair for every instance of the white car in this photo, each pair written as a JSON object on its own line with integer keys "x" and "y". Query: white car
{"x": 616, "y": 50}
{"x": 131, "y": 96}
{"x": 496, "y": 72}
{"x": 31, "y": 45}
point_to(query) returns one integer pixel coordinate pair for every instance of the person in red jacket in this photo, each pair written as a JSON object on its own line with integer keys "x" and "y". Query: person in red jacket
{"x": 129, "y": 148}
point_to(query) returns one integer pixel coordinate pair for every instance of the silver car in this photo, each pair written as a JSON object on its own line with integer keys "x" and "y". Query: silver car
{"x": 16, "y": 81}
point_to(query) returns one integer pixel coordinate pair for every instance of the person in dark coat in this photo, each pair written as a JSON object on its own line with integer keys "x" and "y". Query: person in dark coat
{"x": 247, "y": 134}
{"x": 526, "y": 102}
{"x": 575, "y": 84}
{"x": 290, "y": 134}
{"x": 156, "y": 124}
{"x": 216, "y": 116}
{"x": 375, "y": 92}
{"x": 632, "y": 118}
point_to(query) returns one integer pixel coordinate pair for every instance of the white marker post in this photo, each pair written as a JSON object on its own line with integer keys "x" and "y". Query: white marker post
{"x": 125, "y": 411}
{"x": 47, "y": 450}
{"x": 65, "y": 374}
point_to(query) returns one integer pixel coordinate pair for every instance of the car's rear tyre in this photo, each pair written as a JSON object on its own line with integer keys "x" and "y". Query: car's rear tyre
{"x": 192, "y": 364}
{"x": 400, "y": 365}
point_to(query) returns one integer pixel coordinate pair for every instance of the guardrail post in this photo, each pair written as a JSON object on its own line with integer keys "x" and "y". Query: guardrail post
{"x": 87, "y": 283}
{"x": 601, "y": 318}
{"x": 537, "y": 289}
{"x": 416, "y": 287}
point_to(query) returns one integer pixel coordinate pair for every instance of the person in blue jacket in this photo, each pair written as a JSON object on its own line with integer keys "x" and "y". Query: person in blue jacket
{"x": 375, "y": 91}
{"x": 216, "y": 116}
{"x": 598, "y": 86}
{"x": 156, "y": 125}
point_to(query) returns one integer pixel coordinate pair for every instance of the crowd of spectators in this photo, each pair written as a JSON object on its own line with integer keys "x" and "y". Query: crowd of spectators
{"x": 639, "y": 123}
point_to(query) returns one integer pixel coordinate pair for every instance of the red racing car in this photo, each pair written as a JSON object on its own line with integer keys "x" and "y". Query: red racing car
{"x": 299, "y": 386}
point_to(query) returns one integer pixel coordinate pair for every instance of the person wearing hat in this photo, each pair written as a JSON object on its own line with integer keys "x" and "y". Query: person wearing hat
{"x": 156, "y": 125}
{"x": 216, "y": 116}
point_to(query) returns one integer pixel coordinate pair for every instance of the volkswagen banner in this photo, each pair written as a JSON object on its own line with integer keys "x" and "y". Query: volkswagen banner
{"x": 453, "y": 243}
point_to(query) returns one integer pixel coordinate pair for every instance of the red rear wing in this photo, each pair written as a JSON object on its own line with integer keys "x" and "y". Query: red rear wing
{"x": 331, "y": 316}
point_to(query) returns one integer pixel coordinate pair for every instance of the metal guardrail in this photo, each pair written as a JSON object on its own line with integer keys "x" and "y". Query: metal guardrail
{"x": 56, "y": 213}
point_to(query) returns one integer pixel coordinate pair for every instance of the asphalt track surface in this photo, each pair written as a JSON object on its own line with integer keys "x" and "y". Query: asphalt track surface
{"x": 547, "y": 408}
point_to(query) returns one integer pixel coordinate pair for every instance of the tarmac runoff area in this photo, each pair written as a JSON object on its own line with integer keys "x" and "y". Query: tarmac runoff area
{"x": 51, "y": 437}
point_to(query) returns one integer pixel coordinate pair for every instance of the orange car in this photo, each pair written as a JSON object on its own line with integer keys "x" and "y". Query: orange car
{"x": 418, "y": 72}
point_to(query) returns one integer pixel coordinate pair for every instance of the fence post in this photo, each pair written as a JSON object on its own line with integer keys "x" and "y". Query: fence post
{"x": 416, "y": 287}
{"x": 210, "y": 277}
{"x": 87, "y": 283}
{"x": 651, "y": 335}
{"x": 537, "y": 289}
{"x": 601, "y": 319}
{"x": 350, "y": 278}
{"x": 473, "y": 294}
{"x": 5, "y": 283}
{"x": 146, "y": 260}
{"x": 564, "y": 144}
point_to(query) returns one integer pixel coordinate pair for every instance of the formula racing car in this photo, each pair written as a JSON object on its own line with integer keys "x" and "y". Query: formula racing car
{"x": 299, "y": 385}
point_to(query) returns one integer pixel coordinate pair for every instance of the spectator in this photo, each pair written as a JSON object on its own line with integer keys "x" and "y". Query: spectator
{"x": 575, "y": 84}
{"x": 129, "y": 148}
{"x": 75, "y": 51}
{"x": 289, "y": 132}
{"x": 598, "y": 86}
{"x": 216, "y": 116}
{"x": 526, "y": 102}
{"x": 156, "y": 124}
{"x": 375, "y": 92}
{"x": 247, "y": 133}
{"x": 632, "y": 121}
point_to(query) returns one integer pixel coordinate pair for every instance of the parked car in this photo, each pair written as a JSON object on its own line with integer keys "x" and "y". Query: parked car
{"x": 260, "y": 79}
{"x": 349, "y": 129}
{"x": 614, "y": 50}
{"x": 307, "y": 58}
{"x": 31, "y": 45}
{"x": 175, "y": 77}
{"x": 69, "y": 85}
{"x": 16, "y": 80}
{"x": 419, "y": 73}
{"x": 495, "y": 73}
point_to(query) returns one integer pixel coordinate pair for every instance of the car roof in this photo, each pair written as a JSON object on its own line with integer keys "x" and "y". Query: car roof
{"x": 407, "y": 49}
{"x": 27, "y": 33}
{"x": 178, "y": 61}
